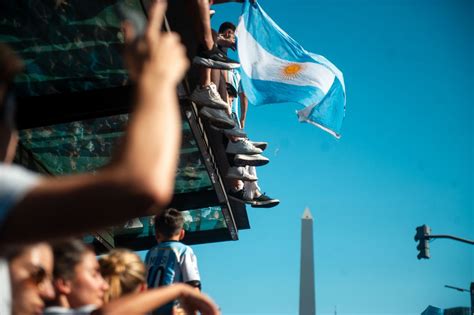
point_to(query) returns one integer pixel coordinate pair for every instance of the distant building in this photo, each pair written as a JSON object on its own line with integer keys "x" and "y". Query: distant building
{"x": 457, "y": 311}
{"x": 431, "y": 310}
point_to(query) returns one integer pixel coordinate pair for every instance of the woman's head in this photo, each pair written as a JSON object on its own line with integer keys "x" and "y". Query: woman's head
{"x": 77, "y": 277}
{"x": 124, "y": 272}
{"x": 31, "y": 270}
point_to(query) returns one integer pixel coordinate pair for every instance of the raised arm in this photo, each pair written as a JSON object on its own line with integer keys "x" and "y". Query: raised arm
{"x": 145, "y": 302}
{"x": 141, "y": 174}
{"x": 224, "y": 1}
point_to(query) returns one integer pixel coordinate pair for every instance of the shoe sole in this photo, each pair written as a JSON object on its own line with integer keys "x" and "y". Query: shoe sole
{"x": 247, "y": 179}
{"x": 212, "y": 105}
{"x": 247, "y": 160}
{"x": 265, "y": 204}
{"x": 209, "y": 63}
{"x": 231, "y": 133}
{"x": 243, "y": 152}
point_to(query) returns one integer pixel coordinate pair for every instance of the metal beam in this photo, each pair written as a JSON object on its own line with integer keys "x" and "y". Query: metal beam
{"x": 190, "y": 112}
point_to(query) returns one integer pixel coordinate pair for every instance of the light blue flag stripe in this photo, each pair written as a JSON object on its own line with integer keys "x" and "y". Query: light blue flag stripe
{"x": 267, "y": 56}
{"x": 270, "y": 36}
{"x": 327, "y": 114}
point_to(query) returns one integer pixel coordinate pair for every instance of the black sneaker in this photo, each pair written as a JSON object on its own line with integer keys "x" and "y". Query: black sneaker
{"x": 239, "y": 196}
{"x": 215, "y": 59}
{"x": 263, "y": 201}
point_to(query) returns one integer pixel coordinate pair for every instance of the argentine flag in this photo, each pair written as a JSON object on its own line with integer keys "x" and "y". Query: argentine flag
{"x": 276, "y": 69}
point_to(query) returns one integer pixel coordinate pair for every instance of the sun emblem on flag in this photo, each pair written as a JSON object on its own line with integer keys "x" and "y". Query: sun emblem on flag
{"x": 291, "y": 71}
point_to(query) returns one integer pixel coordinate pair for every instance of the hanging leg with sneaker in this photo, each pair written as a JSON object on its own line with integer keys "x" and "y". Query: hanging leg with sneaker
{"x": 219, "y": 116}
{"x": 209, "y": 56}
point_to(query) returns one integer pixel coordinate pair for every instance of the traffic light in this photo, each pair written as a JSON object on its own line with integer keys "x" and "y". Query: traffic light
{"x": 422, "y": 237}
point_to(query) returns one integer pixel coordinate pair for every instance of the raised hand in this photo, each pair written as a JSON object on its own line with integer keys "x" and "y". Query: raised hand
{"x": 156, "y": 55}
{"x": 192, "y": 301}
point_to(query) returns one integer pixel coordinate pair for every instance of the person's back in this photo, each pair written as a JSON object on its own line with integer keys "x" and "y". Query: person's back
{"x": 171, "y": 261}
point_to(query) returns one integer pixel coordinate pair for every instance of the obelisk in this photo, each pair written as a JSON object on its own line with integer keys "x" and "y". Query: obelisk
{"x": 307, "y": 290}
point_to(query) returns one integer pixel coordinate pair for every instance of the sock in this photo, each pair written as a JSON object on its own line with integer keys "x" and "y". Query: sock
{"x": 238, "y": 187}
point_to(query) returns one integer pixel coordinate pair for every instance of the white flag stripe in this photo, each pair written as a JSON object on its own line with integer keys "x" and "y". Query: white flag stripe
{"x": 330, "y": 65}
{"x": 260, "y": 64}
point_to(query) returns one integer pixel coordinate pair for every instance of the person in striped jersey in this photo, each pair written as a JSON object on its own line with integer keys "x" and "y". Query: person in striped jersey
{"x": 171, "y": 261}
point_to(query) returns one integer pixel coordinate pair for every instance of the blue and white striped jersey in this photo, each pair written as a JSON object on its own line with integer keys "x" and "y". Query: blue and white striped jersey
{"x": 170, "y": 262}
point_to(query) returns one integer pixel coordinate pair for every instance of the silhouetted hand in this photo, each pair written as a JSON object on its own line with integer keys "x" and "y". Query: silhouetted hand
{"x": 193, "y": 300}
{"x": 156, "y": 56}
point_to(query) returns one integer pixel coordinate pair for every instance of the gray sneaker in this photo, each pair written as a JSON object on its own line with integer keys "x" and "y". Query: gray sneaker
{"x": 242, "y": 146}
{"x": 217, "y": 117}
{"x": 215, "y": 59}
{"x": 235, "y": 132}
{"x": 241, "y": 173}
{"x": 251, "y": 160}
{"x": 208, "y": 96}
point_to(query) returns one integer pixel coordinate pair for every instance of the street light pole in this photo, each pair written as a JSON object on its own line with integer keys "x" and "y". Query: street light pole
{"x": 452, "y": 238}
{"x": 456, "y": 288}
{"x": 471, "y": 291}
{"x": 472, "y": 298}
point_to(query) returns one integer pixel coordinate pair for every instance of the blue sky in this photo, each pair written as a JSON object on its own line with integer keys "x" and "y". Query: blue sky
{"x": 405, "y": 158}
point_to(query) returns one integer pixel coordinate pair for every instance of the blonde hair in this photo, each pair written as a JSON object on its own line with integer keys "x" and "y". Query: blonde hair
{"x": 124, "y": 272}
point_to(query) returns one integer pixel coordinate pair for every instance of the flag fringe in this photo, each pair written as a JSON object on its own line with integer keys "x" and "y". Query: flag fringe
{"x": 332, "y": 132}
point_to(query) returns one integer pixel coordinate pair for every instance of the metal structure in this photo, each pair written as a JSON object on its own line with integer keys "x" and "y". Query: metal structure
{"x": 73, "y": 103}
{"x": 423, "y": 235}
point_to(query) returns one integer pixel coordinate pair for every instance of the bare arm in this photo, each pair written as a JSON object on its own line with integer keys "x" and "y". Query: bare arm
{"x": 141, "y": 174}
{"x": 225, "y": 1}
{"x": 145, "y": 302}
{"x": 244, "y": 103}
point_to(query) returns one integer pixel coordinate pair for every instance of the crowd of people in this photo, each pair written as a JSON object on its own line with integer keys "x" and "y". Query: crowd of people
{"x": 40, "y": 271}
{"x": 65, "y": 277}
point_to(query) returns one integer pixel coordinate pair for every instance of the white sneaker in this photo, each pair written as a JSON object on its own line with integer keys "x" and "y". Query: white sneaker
{"x": 240, "y": 173}
{"x": 250, "y": 160}
{"x": 208, "y": 96}
{"x": 242, "y": 146}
